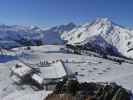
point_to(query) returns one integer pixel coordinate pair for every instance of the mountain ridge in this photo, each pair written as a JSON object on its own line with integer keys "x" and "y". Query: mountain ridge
{"x": 101, "y": 33}
{"x": 17, "y": 35}
{"x": 113, "y": 34}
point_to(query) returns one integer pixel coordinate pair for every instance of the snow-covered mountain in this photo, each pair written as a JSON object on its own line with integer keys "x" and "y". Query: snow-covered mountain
{"x": 16, "y": 35}
{"x": 103, "y": 34}
{"x": 53, "y": 35}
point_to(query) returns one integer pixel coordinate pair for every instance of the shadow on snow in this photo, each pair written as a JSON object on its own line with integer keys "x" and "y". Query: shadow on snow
{"x": 6, "y": 58}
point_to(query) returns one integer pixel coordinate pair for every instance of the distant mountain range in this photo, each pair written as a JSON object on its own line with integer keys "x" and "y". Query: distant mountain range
{"x": 101, "y": 34}
{"x": 16, "y": 35}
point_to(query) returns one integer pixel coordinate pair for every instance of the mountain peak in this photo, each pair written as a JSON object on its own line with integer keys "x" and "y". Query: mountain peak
{"x": 103, "y": 33}
{"x": 71, "y": 24}
{"x": 99, "y": 21}
{"x": 103, "y": 20}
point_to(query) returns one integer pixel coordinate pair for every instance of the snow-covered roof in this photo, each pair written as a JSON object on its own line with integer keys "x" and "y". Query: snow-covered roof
{"x": 37, "y": 78}
{"x": 55, "y": 70}
{"x": 22, "y": 70}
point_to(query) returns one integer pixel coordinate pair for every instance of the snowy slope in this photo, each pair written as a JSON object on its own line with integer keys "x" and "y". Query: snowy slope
{"x": 103, "y": 33}
{"x": 27, "y": 96}
{"x": 16, "y": 35}
{"x": 89, "y": 69}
